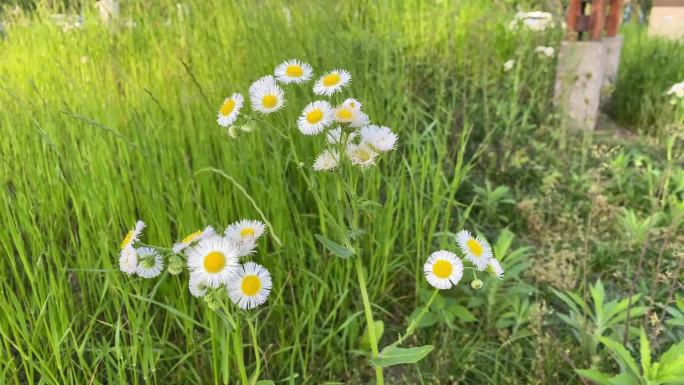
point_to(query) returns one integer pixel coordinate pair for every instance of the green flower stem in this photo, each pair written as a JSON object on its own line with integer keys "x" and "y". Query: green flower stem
{"x": 257, "y": 353}
{"x": 369, "y": 318}
{"x": 414, "y": 323}
{"x": 237, "y": 349}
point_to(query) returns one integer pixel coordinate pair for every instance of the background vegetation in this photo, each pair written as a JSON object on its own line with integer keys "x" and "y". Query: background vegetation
{"x": 102, "y": 125}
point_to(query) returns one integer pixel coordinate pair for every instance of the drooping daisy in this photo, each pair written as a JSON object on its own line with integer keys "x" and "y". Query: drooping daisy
{"x": 443, "y": 269}
{"x": 245, "y": 230}
{"x": 331, "y": 82}
{"x": 361, "y": 154}
{"x": 315, "y": 117}
{"x": 508, "y": 65}
{"x": 380, "y": 138}
{"x": 133, "y": 235}
{"x": 293, "y": 71}
{"x": 677, "y": 90}
{"x": 230, "y": 110}
{"x": 476, "y": 250}
{"x": 213, "y": 260}
{"x": 128, "y": 260}
{"x": 197, "y": 288}
{"x": 349, "y": 112}
{"x": 150, "y": 262}
{"x": 494, "y": 268}
{"x": 250, "y": 287}
{"x": 194, "y": 237}
{"x": 326, "y": 161}
{"x": 244, "y": 248}
{"x": 267, "y": 98}
{"x": 264, "y": 81}
{"x": 543, "y": 51}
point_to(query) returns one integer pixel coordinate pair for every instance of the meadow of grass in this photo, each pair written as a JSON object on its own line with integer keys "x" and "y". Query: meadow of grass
{"x": 103, "y": 125}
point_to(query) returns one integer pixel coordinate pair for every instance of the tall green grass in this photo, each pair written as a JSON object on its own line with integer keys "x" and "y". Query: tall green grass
{"x": 108, "y": 124}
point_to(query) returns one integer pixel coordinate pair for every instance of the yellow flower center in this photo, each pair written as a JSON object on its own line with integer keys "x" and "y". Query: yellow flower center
{"x": 247, "y": 232}
{"x": 294, "y": 71}
{"x": 127, "y": 239}
{"x": 475, "y": 247}
{"x": 251, "y": 284}
{"x": 331, "y": 80}
{"x": 344, "y": 114}
{"x": 227, "y": 107}
{"x": 314, "y": 116}
{"x": 214, "y": 262}
{"x": 442, "y": 269}
{"x": 269, "y": 101}
{"x": 362, "y": 154}
{"x": 192, "y": 237}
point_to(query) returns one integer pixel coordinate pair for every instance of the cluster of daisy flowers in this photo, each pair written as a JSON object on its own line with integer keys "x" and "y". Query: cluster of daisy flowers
{"x": 444, "y": 269}
{"x": 347, "y": 129}
{"x": 215, "y": 262}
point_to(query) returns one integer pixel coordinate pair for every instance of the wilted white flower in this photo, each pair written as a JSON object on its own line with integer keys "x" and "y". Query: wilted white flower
{"x": 128, "y": 260}
{"x": 150, "y": 262}
{"x": 545, "y": 51}
{"x": 133, "y": 235}
{"x": 494, "y": 268}
{"x": 327, "y": 160}
{"x": 535, "y": 21}
{"x": 508, "y": 65}
{"x": 380, "y": 138}
{"x": 361, "y": 154}
{"x": 677, "y": 90}
{"x": 192, "y": 238}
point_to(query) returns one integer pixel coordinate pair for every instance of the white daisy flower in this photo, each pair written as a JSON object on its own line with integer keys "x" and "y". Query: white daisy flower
{"x": 128, "y": 260}
{"x": 196, "y": 287}
{"x": 267, "y": 98}
{"x": 326, "y": 161}
{"x": 244, "y": 248}
{"x": 150, "y": 262}
{"x": 494, "y": 268}
{"x": 361, "y": 154}
{"x": 545, "y": 51}
{"x": 264, "y": 81}
{"x": 535, "y": 21}
{"x": 443, "y": 269}
{"x": 508, "y": 65}
{"x": 677, "y": 90}
{"x": 315, "y": 117}
{"x": 293, "y": 71}
{"x": 245, "y": 230}
{"x": 333, "y": 136}
{"x": 191, "y": 238}
{"x": 349, "y": 112}
{"x": 133, "y": 235}
{"x": 213, "y": 260}
{"x": 331, "y": 82}
{"x": 476, "y": 250}
{"x": 380, "y": 138}
{"x": 230, "y": 110}
{"x": 250, "y": 287}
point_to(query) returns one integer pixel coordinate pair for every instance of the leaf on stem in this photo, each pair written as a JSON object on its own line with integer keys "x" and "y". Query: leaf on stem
{"x": 392, "y": 355}
{"x": 334, "y": 247}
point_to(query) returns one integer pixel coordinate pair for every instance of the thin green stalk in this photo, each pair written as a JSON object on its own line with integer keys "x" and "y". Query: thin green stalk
{"x": 414, "y": 323}
{"x": 257, "y": 353}
{"x": 369, "y": 318}
{"x": 237, "y": 349}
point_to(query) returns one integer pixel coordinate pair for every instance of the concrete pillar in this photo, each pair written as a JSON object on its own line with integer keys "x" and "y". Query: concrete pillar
{"x": 613, "y": 48}
{"x": 579, "y": 78}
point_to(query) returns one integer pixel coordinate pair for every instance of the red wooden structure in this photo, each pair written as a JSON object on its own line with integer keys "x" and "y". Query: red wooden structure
{"x": 588, "y": 19}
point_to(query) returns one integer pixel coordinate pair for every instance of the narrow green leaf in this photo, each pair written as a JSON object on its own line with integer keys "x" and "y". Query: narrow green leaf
{"x": 594, "y": 375}
{"x": 265, "y": 382}
{"x": 334, "y": 247}
{"x": 391, "y": 356}
{"x": 462, "y": 313}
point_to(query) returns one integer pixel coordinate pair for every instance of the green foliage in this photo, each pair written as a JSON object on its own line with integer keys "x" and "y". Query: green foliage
{"x": 669, "y": 369}
{"x": 592, "y": 320}
{"x": 393, "y": 355}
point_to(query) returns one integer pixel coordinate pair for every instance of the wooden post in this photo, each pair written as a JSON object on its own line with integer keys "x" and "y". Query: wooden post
{"x": 597, "y": 19}
{"x": 614, "y": 18}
